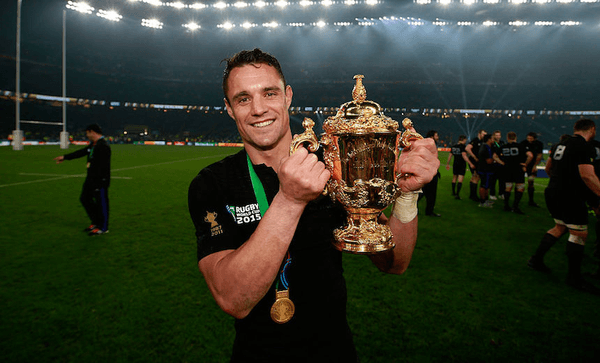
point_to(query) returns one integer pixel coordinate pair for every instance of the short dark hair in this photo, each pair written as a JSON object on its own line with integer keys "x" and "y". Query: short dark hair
{"x": 462, "y": 137}
{"x": 532, "y": 134}
{"x": 94, "y": 127}
{"x": 486, "y": 137}
{"x": 584, "y": 124}
{"x": 245, "y": 57}
{"x": 511, "y": 135}
{"x": 431, "y": 133}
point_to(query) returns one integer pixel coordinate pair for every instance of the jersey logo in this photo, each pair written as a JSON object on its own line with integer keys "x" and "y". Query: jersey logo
{"x": 246, "y": 214}
{"x": 215, "y": 228}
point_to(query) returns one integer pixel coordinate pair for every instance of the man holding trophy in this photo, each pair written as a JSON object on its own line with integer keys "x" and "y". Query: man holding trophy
{"x": 265, "y": 228}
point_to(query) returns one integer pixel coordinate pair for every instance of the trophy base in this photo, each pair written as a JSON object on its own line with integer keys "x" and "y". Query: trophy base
{"x": 366, "y": 239}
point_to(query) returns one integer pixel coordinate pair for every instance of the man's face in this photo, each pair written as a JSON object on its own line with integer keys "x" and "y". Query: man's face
{"x": 481, "y": 135}
{"x": 259, "y": 103}
{"x": 497, "y": 136}
{"x": 530, "y": 139}
{"x": 91, "y": 135}
{"x": 436, "y": 137}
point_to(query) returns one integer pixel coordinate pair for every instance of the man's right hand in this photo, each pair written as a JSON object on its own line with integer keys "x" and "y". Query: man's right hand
{"x": 302, "y": 177}
{"x": 59, "y": 159}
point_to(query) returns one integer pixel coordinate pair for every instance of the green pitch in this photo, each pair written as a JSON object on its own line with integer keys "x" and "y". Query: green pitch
{"x": 136, "y": 294}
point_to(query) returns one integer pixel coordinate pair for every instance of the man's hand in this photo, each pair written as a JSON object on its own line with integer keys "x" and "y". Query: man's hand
{"x": 418, "y": 165}
{"x": 59, "y": 159}
{"x": 302, "y": 177}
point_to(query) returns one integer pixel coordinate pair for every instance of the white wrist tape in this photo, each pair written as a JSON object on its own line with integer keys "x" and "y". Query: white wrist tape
{"x": 405, "y": 207}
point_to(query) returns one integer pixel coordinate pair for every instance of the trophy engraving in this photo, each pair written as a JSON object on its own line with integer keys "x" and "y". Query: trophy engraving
{"x": 361, "y": 149}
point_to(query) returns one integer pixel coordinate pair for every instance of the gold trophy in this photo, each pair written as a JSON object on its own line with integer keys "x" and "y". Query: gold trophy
{"x": 361, "y": 149}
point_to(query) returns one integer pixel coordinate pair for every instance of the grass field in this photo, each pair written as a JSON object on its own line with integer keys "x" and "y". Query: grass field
{"x": 136, "y": 295}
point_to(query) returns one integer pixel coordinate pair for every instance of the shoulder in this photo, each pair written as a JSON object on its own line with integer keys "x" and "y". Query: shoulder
{"x": 223, "y": 171}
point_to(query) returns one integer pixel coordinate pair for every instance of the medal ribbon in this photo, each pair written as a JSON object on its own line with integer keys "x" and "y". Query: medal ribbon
{"x": 263, "y": 205}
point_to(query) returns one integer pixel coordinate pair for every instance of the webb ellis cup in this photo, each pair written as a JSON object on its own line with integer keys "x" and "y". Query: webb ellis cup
{"x": 361, "y": 148}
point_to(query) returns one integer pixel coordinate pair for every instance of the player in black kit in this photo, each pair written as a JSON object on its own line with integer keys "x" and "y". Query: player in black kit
{"x": 94, "y": 195}
{"x": 459, "y": 166}
{"x": 572, "y": 173}
{"x": 472, "y": 151}
{"x": 537, "y": 149}
{"x": 515, "y": 158}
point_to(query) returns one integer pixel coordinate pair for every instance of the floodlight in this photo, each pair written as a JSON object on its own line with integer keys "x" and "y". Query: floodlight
{"x": 240, "y": 4}
{"x": 248, "y": 25}
{"x": 544, "y": 23}
{"x": 588, "y": 1}
{"x": 226, "y": 26}
{"x": 440, "y": 23}
{"x": 153, "y": 2}
{"x": 490, "y": 23}
{"x": 326, "y": 2}
{"x": 469, "y": 2}
{"x": 152, "y": 23}
{"x": 80, "y": 7}
{"x": 423, "y": 2}
{"x": 491, "y": 1}
{"x": 517, "y": 2}
{"x": 191, "y": 26}
{"x": 296, "y": 24}
{"x": 176, "y": 5}
{"x": 518, "y": 23}
{"x": 345, "y": 23}
{"x": 445, "y": 2}
{"x": 350, "y": 2}
{"x": 464, "y": 23}
{"x": 565, "y": 1}
{"x": 260, "y": 4}
{"x": 198, "y": 6}
{"x": 570, "y": 23}
{"x": 282, "y": 4}
{"x": 271, "y": 25}
{"x": 371, "y": 2}
{"x": 220, "y": 5}
{"x": 320, "y": 23}
{"x": 306, "y": 3}
{"x": 109, "y": 15}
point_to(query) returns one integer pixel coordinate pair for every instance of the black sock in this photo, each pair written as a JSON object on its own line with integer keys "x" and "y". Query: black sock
{"x": 575, "y": 256}
{"x": 547, "y": 242}
{"x": 453, "y": 188}
{"x": 458, "y": 188}
{"x": 506, "y": 199}
{"x": 530, "y": 190}
{"x": 518, "y": 196}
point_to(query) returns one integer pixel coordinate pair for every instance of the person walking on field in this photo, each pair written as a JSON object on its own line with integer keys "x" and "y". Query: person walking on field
{"x": 572, "y": 177}
{"x": 94, "y": 194}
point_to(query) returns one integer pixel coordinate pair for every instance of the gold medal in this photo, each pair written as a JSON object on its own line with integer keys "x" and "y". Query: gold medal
{"x": 283, "y": 308}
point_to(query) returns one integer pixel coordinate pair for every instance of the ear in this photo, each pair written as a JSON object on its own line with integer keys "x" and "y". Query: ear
{"x": 228, "y": 108}
{"x": 288, "y": 95}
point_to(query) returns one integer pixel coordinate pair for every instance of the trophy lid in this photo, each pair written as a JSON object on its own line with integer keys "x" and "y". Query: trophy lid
{"x": 360, "y": 116}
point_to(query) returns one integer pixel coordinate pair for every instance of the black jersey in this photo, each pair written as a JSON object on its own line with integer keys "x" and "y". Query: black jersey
{"x": 476, "y": 142}
{"x": 536, "y": 147}
{"x": 596, "y": 145}
{"x": 457, "y": 151}
{"x": 566, "y": 158}
{"x": 485, "y": 152}
{"x": 225, "y": 213}
{"x": 98, "y": 162}
{"x": 514, "y": 156}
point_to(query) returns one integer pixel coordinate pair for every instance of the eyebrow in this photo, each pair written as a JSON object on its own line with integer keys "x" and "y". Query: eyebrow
{"x": 246, "y": 93}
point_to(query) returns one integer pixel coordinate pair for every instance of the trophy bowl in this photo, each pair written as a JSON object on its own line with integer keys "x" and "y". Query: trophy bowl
{"x": 361, "y": 148}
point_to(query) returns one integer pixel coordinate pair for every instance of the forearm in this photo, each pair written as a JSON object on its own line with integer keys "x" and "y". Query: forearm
{"x": 239, "y": 279}
{"x": 397, "y": 260}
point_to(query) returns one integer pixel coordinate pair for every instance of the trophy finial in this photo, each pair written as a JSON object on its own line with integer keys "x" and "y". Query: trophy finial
{"x": 359, "y": 93}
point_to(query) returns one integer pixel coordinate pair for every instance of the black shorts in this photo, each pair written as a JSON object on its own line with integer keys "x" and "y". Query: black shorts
{"x": 567, "y": 208}
{"x": 514, "y": 176}
{"x": 459, "y": 169}
{"x": 486, "y": 179}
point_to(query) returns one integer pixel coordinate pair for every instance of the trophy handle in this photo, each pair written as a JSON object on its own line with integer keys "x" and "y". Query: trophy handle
{"x": 307, "y": 136}
{"x": 406, "y": 140}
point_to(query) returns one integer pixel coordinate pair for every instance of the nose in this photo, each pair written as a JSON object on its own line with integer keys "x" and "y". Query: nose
{"x": 259, "y": 106}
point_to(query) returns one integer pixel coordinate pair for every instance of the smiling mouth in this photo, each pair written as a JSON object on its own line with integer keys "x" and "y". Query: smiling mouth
{"x": 263, "y": 124}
